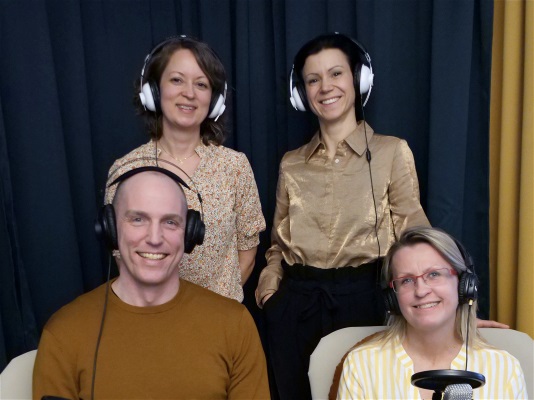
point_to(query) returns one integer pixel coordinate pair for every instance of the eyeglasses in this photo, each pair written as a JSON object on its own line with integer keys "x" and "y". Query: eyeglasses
{"x": 434, "y": 277}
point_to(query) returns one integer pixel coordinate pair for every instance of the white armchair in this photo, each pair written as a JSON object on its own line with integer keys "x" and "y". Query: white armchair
{"x": 333, "y": 347}
{"x": 16, "y": 378}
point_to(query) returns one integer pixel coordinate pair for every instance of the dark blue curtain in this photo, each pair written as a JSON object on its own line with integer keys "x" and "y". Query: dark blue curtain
{"x": 66, "y": 85}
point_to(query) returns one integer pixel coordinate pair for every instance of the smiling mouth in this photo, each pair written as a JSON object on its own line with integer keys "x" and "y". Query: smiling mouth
{"x": 185, "y": 107}
{"x": 427, "y": 305}
{"x": 153, "y": 256}
{"x": 330, "y": 101}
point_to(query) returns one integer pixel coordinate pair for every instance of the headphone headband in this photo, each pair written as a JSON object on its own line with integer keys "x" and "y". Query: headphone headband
{"x": 153, "y": 51}
{"x": 468, "y": 260}
{"x": 106, "y": 226}
{"x": 138, "y": 170}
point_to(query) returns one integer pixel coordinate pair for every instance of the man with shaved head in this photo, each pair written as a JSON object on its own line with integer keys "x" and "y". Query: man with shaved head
{"x": 149, "y": 334}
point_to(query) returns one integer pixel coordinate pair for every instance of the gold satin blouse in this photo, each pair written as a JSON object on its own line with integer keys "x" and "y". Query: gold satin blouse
{"x": 325, "y": 216}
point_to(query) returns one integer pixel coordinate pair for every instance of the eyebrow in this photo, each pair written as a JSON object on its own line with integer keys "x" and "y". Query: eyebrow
{"x": 182, "y": 74}
{"x": 424, "y": 272}
{"x": 329, "y": 69}
{"x": 133, "y": 213}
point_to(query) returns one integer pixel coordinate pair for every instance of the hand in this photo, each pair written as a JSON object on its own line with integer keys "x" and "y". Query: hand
{"x": 486, "y": 323}
{"x": 265, "y": 298}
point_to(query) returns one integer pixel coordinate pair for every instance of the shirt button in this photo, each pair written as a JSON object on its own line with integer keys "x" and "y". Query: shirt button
{"x": 336, "y": 160}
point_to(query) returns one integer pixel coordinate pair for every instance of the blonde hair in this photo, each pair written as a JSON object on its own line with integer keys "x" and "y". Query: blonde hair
{"x": 448, "y": 248}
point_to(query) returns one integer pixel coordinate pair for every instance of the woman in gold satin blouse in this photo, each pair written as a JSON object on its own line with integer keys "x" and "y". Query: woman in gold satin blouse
{"x": 342, "y": 200}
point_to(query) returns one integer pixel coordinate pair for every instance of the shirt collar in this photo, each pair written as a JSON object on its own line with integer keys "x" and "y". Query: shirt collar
{"x": 312, "y": 146}
{"x": 356, "y": 140}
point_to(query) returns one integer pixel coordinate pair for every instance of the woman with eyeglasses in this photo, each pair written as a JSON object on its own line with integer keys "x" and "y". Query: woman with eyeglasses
{"x": 432, "y": 301}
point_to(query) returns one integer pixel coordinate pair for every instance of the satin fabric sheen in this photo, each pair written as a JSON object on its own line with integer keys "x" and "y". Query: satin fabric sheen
{"x": 325, "y": 215}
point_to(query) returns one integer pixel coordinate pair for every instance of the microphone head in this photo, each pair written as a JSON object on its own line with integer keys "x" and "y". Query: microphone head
{"x": 459, "y": 391}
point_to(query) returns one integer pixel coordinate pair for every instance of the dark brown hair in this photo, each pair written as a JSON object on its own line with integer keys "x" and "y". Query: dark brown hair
{"x": 211, "y": 131}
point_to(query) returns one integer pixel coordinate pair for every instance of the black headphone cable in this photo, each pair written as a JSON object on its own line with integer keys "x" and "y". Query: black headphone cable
{"x": 185, "y": 173}
{"x": 368, "y": 157}
{"x": 467, "y": 334}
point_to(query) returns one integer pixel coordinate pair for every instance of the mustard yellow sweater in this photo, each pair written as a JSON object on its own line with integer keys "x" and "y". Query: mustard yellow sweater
{"x": 199, "y": 345}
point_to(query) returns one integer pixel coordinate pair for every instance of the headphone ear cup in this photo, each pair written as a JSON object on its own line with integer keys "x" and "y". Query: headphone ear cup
{"x": 194, "y": 231}
{"x": 366, "y": 79}
{"x": 146, "y": 97}
{"x": 467, "y": 287}
{"x": 357, "y": 77}
{"x": 154, "y": 89}
{"x": 106, "y": 227}
{"x": 217, "y": 107}
{"x": 298, "y": 99}
{"x": 390, "y": 301}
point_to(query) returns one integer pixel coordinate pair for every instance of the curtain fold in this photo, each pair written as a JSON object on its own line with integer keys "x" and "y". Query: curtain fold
{"x": 512, "y": 165}
{"x": 67, "y": 76}
{"x": 18, "y": 329}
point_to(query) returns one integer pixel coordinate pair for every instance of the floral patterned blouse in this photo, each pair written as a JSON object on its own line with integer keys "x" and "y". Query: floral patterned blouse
{"x": 231, "y": 211}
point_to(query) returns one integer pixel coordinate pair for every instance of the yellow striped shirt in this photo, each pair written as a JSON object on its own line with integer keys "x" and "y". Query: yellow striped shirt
{"x": 376, "y": 371}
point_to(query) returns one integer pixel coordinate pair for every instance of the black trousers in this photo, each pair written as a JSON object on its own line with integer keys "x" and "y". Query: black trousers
{"x": 311, "y": 303}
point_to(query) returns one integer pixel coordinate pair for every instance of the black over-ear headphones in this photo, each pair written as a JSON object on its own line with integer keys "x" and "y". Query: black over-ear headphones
{"x": 106, "y": 225}
{"x": 467, "y": 284}
{"x": 363, "y": 74}
{"x": 149, "y": 90}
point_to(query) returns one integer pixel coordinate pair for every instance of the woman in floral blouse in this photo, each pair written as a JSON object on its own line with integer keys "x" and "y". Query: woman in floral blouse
{"x": 182, "y": 95}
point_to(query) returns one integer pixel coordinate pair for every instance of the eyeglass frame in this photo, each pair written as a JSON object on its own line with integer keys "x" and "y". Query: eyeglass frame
{"x": 452, "y": 271}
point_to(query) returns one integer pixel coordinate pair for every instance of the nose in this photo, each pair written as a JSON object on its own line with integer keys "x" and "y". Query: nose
{"x": 188, "y": 90}
{"x": 154, "y": 235}
{"x": 326, "y": 85}
{"x": 421, "y": 287}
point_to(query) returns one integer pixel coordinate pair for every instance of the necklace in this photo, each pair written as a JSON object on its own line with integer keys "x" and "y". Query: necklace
{"x": 179, "y": 160}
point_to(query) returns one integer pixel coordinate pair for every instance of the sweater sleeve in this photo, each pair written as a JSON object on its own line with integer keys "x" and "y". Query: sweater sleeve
{"x": 248, "y": 375}
{"x": 54, "y": 373}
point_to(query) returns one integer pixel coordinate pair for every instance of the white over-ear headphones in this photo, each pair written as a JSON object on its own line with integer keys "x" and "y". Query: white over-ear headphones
{"x": 363, "y": 73}
{"x": 149, "y": 92}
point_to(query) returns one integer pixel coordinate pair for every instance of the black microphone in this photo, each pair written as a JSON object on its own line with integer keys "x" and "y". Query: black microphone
{"x": 53, "y": 398}
{"x": 461, "y": 391}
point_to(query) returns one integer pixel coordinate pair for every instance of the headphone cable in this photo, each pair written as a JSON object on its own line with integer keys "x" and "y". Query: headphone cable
{"x": 368, "y": 157}
{"x": 186, "y": 174}
{"x": 467, "y": 334}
